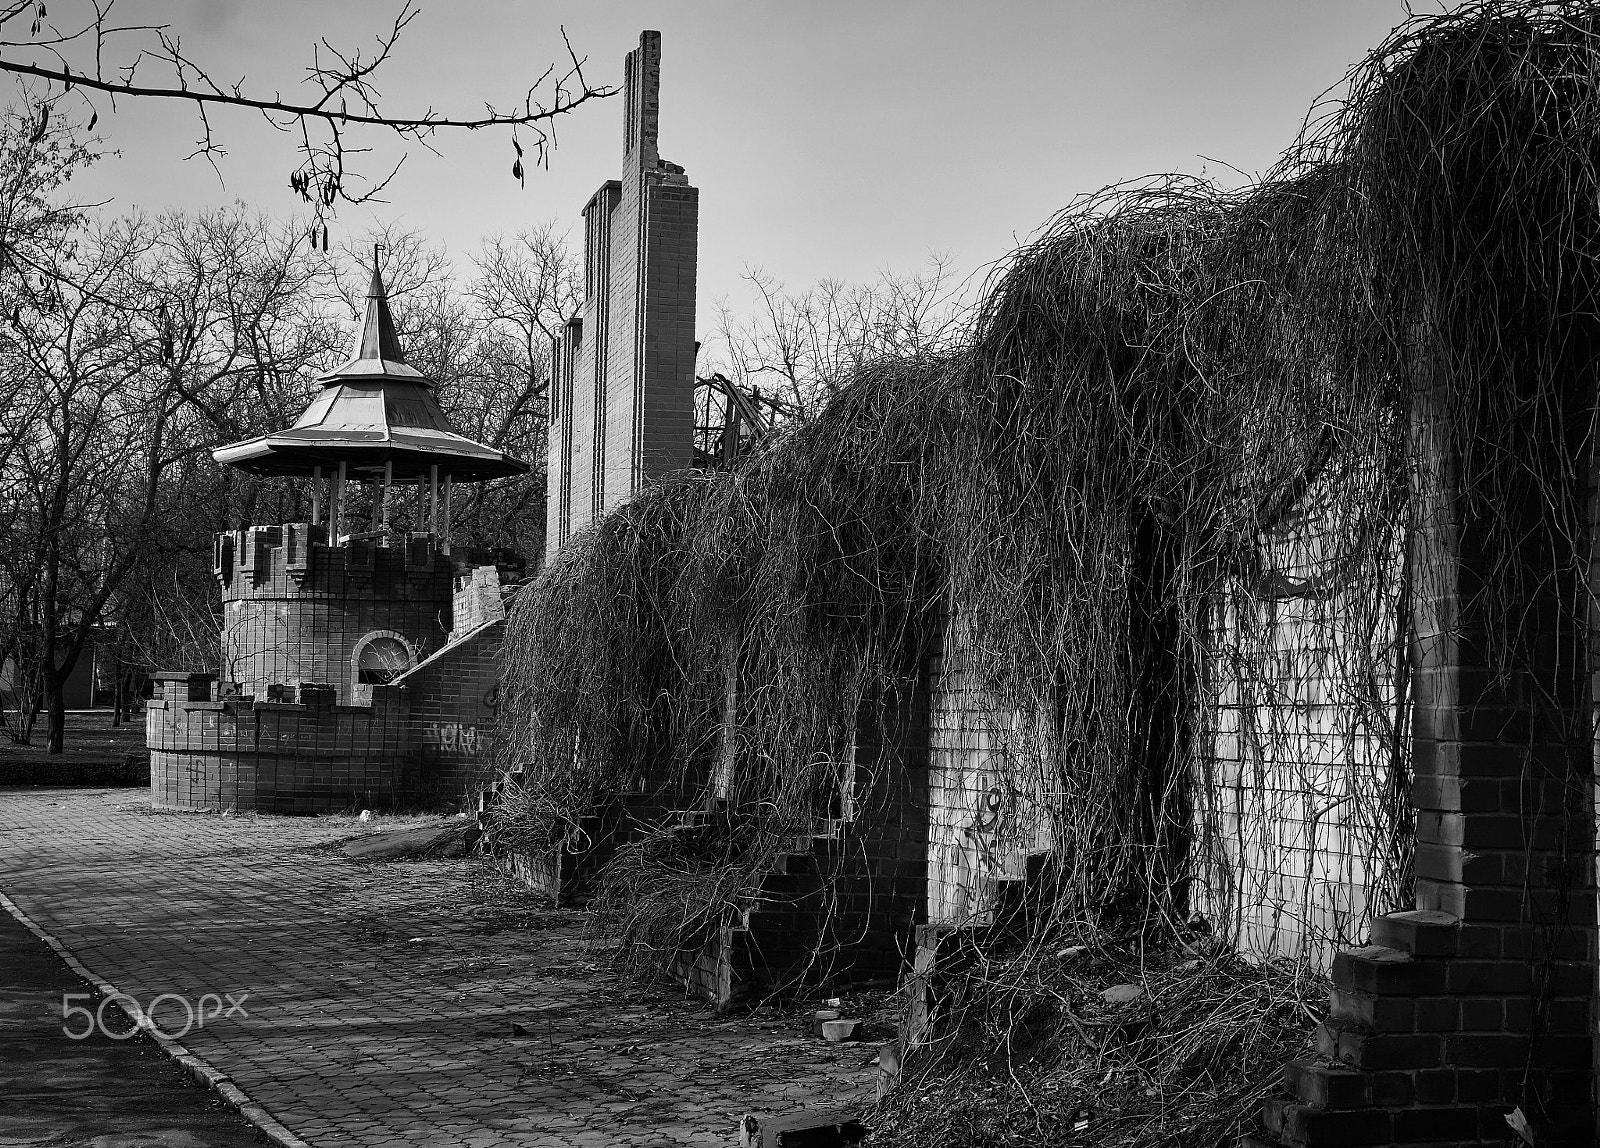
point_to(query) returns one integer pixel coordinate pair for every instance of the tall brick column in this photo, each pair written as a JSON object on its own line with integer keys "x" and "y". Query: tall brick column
{"x": 622, "y": 379}
{"x": 1478, "y": 1003}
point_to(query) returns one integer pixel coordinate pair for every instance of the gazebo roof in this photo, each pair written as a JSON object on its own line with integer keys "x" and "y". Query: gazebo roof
{"x": 373, "y": 410}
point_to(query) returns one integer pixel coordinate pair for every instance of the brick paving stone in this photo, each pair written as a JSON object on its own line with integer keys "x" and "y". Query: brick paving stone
{"x": 381, "y": 994}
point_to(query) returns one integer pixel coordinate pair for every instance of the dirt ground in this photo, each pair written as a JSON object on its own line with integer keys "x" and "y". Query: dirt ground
{"x": 94, "y": 753}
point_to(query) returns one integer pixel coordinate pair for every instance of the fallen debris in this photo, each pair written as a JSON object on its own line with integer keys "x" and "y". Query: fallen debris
{"x": 431, "y": 842}
{"x": 837, "y": 1031}
{"x": 1129, "y": 1044}
{"x": 820, "y": 1128}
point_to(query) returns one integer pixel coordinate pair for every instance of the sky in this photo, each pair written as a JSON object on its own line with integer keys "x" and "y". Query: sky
{"x": 829, "y": 138}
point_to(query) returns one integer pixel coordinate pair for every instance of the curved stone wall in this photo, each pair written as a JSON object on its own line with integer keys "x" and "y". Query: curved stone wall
{"x": 297, "y": 610}
{"x": 312, "y": 755}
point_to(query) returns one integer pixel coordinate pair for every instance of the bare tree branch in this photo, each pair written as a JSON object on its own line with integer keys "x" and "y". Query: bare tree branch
{"x": 342, "y": 97}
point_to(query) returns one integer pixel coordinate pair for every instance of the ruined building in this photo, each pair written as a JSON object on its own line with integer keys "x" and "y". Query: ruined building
{"x": 357, "y": 657}
{"x": 622, "y": 387}
{"x": 1375, "y": 745}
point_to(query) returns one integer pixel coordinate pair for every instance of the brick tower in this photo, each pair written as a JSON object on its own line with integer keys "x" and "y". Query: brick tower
{"x": 321, "y": 616}
{"x": 622, "y": 389}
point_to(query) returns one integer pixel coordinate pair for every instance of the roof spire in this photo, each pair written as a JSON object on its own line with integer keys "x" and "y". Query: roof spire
{"x": 378, "y": 339}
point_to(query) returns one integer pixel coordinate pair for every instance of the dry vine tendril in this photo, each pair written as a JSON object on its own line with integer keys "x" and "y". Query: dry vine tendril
{"x": 1085, "y": 504}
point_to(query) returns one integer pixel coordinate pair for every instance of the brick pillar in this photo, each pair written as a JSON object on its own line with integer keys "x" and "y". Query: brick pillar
{"x": 1478, "y": 1002}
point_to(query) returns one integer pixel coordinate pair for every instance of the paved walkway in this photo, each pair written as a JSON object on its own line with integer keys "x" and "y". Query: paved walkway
{"x": 95, "y": 1093}
{"x": 381, "y": 996}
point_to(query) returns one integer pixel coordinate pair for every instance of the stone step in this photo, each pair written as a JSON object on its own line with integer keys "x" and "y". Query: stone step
{"x": 1382, "y": 971}
{"x": 1321, "y": 1084}
{"x": 1300, "y": 1126}
{"x": 1378, "y": 1051}
{"x": 1419, "y": 932}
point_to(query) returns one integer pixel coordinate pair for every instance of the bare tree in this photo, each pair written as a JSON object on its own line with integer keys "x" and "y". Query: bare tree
{"x": 796, "y": 350}
{"x": 169, "y": 335}
{"x": 81, "y": 359}
{"x": 93, "y": 56}
{"x": 527, "y": 286}
{"x": 243, "y": 336}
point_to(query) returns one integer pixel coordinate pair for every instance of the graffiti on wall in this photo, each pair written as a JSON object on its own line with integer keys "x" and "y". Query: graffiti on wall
{"x": 457, "y": 737}
{"x": 995, "y": 821}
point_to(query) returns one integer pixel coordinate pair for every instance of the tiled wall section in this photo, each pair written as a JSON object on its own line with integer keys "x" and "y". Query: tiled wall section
{"x": 984, "y": 820}
{"x": 1298, "y": 801}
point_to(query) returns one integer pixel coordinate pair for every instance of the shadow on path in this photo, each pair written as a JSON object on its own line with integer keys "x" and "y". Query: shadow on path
{"x": 63, "y": 1093}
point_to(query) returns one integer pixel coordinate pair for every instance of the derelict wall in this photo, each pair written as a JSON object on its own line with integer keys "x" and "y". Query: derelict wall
{"x": 454, "y": 696}
{"x": 1300, "y": 831}
{"x": 623, "y": 376}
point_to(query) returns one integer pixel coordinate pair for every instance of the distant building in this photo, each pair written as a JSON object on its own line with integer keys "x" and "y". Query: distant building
{"x": 81, "y": 691}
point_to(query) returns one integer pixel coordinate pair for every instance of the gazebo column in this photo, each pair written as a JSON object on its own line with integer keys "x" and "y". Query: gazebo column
{"x": 336, "y": 505}
{"x": 444, "y": 514}
{"x": 433, "y": 500}
{"x": 383, "y": 502}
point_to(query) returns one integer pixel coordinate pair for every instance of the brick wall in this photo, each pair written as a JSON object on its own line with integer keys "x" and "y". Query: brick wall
{"x": 565, "y": 369}
{"x": 297, "y": 610}
{"x": 1302, "y": 832}
{"x": 842, "y": 907}
{"x": 624, "y": 377}
{"x": 312, "y": 755}
{"x": 662, "y": 407}
{"x": 477, "y": 600}
{"x": 291, "y": 729}
{"x": 1480, "y": 1002}
{"x": 453, "y": 699}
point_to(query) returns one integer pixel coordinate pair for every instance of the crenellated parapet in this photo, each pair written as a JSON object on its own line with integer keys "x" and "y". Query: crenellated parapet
{"x": 296, "y": 560}
{"x": 297, "y": 609}
{"x": 212, "y": 747}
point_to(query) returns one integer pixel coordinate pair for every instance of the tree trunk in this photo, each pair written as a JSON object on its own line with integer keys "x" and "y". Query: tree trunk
{"x": 55, "y": 701}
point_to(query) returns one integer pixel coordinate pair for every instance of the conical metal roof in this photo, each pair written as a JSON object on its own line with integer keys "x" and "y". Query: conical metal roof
{"x": 374, "y": 409}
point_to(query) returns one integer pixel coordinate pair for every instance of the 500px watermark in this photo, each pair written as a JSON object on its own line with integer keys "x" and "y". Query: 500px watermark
{"x": 194, "y": 1014}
